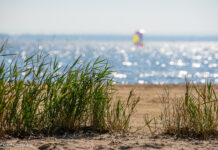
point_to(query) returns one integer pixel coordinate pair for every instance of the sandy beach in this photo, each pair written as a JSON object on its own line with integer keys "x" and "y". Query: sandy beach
{"x": 139, "y": 136}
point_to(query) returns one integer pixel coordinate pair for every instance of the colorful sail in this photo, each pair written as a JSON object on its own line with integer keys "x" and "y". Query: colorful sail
{"x": 138, "y": 38}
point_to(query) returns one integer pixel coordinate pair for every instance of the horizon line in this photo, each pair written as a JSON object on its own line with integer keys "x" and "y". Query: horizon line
{"x": 108, "y": 34}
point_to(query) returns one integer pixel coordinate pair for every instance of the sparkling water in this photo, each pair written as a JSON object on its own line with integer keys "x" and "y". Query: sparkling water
{"x": 158, "y": 62}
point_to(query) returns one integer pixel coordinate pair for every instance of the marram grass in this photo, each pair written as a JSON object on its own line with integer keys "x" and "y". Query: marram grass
{"x": 193, "y": 115}
{"x": 39, "y": 97}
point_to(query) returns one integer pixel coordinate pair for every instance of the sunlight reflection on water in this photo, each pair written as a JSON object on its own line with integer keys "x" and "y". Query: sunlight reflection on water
{"x": 156, "y": 62}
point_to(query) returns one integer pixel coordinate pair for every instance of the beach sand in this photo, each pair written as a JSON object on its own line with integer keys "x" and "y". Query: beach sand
{"x": 139, "y": 136}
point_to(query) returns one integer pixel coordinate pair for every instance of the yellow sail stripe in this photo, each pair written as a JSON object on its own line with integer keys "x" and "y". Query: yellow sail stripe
{"x": 135, "y": 38}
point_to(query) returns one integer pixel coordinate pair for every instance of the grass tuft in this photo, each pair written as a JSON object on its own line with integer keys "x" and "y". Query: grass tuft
{"x": 194, "y": 115}
{"x": 39, "y": 97}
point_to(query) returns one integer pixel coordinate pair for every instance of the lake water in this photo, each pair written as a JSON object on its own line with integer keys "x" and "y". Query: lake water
{"x": 159, "y": 61}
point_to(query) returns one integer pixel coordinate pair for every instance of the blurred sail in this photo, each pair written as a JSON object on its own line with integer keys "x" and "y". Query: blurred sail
{"x": 138, "y": 38}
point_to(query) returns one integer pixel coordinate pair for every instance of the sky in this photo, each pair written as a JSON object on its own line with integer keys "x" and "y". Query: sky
{"x": 157, "y": 17}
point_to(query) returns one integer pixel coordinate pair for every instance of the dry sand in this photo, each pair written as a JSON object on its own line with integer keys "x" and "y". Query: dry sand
{"x": 138, "y": 138}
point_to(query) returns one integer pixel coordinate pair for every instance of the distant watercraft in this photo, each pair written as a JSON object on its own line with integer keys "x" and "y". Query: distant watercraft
{"x": 138, "y": 38}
